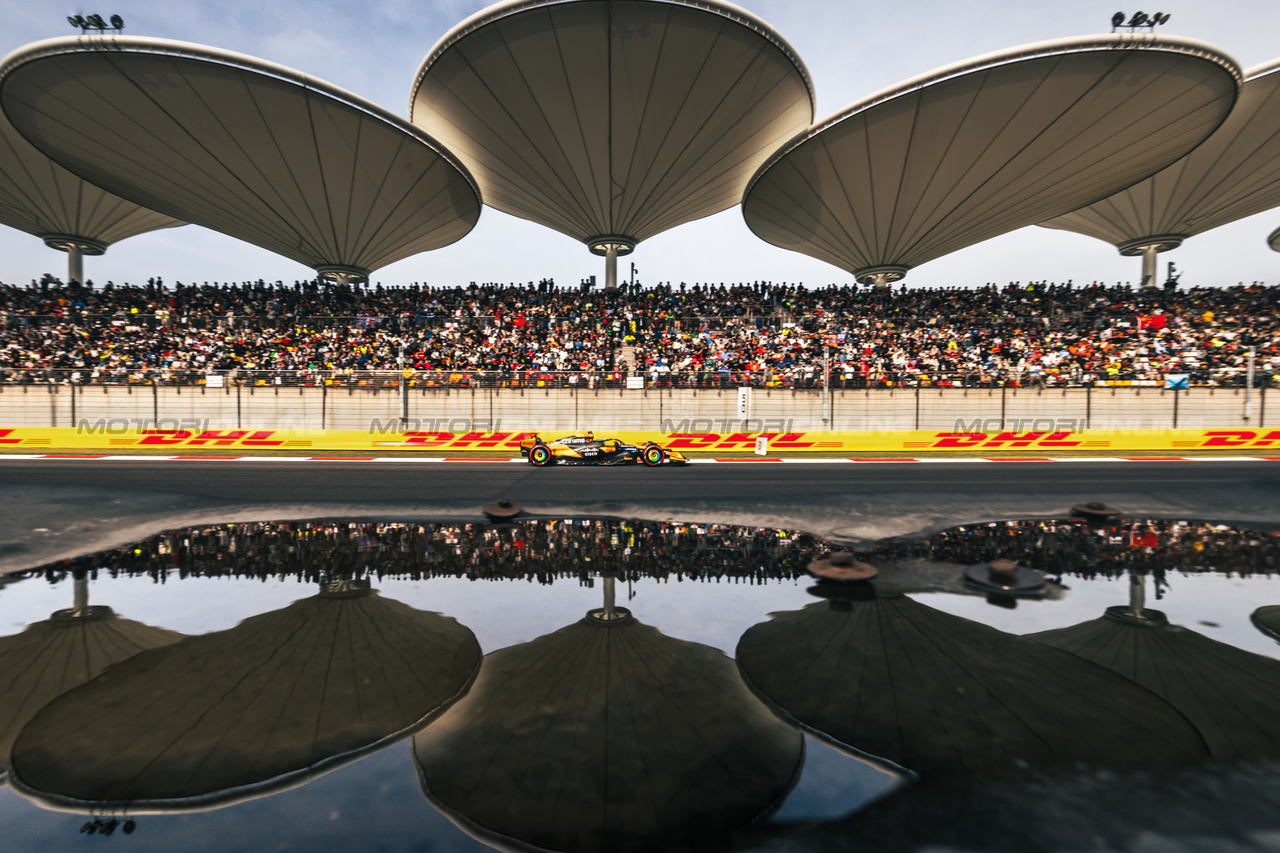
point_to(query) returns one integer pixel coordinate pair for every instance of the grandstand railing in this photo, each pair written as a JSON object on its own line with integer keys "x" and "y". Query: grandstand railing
{"x": 625, "y": 379}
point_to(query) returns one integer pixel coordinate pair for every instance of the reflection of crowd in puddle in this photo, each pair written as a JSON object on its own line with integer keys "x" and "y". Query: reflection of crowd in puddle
{"x": 541, "y": 551}
{"x": 1073, "y": 547}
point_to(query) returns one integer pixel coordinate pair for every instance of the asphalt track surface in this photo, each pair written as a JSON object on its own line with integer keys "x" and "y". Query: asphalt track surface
{"x": 483, "y": 481}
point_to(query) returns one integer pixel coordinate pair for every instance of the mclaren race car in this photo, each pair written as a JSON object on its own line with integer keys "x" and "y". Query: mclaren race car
{"x": 588, "y": 450}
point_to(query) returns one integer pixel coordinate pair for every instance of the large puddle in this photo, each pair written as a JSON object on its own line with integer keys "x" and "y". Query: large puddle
{"x": 608, "y": 685}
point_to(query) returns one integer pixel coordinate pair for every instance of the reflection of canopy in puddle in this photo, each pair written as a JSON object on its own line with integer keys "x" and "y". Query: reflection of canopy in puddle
{"x": 1267, "y": 617}
{"x": 940, "y": 694}
{"x": 1230, "y": 695}
{"x": 269, "y": 704}
{"x": 64, "y": 651}
{"x": 607, "y": 737}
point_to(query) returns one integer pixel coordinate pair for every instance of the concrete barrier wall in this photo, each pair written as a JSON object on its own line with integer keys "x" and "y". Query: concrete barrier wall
{"x": 670, "y": 410}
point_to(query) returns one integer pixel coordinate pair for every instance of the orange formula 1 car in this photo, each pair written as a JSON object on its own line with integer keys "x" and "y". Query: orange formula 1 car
{"x": 586, "y": 449}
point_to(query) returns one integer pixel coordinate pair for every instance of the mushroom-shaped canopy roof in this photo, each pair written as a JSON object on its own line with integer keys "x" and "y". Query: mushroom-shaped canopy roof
{"x": 1273, "y": 240}
{"x": 252, "y": 149}
{"x": 51, "y": 657}
{"x": 1235, "y": 173}
{"x": 987, "y": 146}
{"x": 40, "y": 197}
{"x": 945, "y": 696}
{"x": 612, "y": 118}
{"x": 1229, "y": 694}
{"x": 607, "y": 736}
{"x": 266, "y": 705}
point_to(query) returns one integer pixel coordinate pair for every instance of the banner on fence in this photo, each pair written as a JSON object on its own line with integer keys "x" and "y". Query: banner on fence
{"x": 123, "y": 439}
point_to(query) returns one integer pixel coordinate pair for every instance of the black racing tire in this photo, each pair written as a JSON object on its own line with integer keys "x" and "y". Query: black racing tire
{"x": 540, "y": 455}
{"x": 653, "y": 455}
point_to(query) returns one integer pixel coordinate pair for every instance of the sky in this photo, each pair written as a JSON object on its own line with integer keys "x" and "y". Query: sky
{"x": 852, "y": 49}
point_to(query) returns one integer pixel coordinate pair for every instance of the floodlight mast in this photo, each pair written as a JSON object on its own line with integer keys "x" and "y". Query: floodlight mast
{"x": 84, "y": 23}
{"x": 1140, "y": 20}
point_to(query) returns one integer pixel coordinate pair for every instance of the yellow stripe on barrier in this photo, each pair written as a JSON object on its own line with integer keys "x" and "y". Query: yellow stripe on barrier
{"x": 122, "y": 439}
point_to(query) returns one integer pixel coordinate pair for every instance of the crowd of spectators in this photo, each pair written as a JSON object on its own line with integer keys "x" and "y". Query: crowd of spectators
{"x": 765, "y": 334}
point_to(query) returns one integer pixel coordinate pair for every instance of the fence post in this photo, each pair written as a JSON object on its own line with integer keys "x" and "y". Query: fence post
{"x": 1175, "y": 408}
{"x": 155, "y": 402}
{"x": 73, "y": 404}
{"x": 237, "y": 405}
{"x": 1003, "y": 391}
{"x": 917, "y": 407}
{"x": 53, "y": 405}
{"x": 1088, "y": 407}
{"x": 324, "y": 400}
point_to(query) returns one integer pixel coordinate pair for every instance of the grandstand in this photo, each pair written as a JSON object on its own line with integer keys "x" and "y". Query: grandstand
{"x": 759, "y": 334}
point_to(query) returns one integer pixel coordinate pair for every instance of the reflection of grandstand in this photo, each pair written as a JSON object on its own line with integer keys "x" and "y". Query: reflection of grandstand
{"x": 549, "y": 550}
{"x": 541, "y": 551}
{"x": 1129, "y": 545}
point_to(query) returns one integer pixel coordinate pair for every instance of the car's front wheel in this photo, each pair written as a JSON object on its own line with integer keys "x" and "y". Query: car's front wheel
{"x": 653, "y": 455}
{"x": 540, "y": 455}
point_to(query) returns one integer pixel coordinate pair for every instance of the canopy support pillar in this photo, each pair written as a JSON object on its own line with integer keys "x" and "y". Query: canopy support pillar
{"x": 1150, "y": 248}
{"x": 611, "y": 247}
{"x": 882, "y": 276}
{"x": 1150, "y": 256}
{"x": 75, "y": 266}
{"x": 76, "y": 248}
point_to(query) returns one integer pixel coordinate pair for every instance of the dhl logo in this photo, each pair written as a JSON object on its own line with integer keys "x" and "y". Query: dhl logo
{"x": 4, "y": 437}
{"x": 735, "y": 441}
{"x": 676, "y": 440}
{"x": 986, "y": 441}
{"x": 465, "y": 441}
{"x": 1240, "y": 438}
{"x": 209, "y": 438}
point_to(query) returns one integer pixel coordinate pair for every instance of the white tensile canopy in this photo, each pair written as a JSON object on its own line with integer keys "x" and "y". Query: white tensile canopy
{"x": 243, "y": 146}
{"x": 43, "y": 199}
{"x": 1234, "y": 174}
{"x": 988, "y": 146}
{"x": 612, "y": 120}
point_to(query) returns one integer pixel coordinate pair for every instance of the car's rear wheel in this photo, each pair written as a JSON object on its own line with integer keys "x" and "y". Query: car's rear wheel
{"x": 653, "y": 455}
{"x": 540, "y": 455}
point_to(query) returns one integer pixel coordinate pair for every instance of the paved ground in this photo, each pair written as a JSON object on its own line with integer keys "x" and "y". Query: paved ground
{"x": 483, "y": 481}
{"x": 53, "y": 509}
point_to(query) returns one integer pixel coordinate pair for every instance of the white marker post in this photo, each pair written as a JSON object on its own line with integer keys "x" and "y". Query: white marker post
{"x": 1248, "y": 386}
